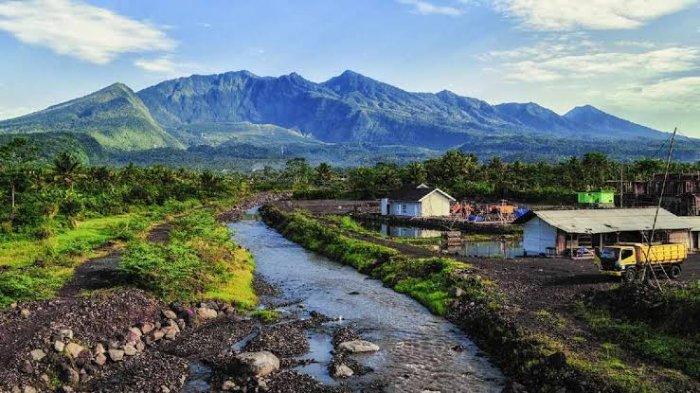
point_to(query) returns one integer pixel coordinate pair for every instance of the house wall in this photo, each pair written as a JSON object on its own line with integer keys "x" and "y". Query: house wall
{"x": 411, "y": 209}
{"x": 538, "y": 236}
{"x": 435, "y": 204}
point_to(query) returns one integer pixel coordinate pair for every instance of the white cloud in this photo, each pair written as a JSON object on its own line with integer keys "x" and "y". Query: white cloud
{"x": 589, "y": 14}
{"x": 427, "y": 8}
{"x": 680, "y": 94}
{"x": 553, "y": 61}
{"x": 74, "y": 28}
{"x": 161, "y": 65}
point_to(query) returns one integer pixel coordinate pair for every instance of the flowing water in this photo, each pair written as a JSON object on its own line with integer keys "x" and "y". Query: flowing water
{"x": 419, "y": 351}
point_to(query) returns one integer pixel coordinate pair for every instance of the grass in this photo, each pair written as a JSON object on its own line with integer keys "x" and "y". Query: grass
{"x": 198, "y": 262}
{"x": 430, "y": 281}
{"x": 266, "y": 315}
{"x": 37, "y": 269}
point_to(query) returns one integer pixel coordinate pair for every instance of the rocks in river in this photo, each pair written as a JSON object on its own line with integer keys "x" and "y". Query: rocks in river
{"x": 205, "y": 313}
{"x": 74, "y": 349}
{"x": 260, "y": 363}
{"x": 358, "y": 346}
{"x": 342, "y": 371}
{"x": 116, "y": 354}
{"x": 37, "y": 354}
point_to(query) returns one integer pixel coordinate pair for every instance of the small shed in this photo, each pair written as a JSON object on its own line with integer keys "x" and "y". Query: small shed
{"x": 560, "y": 232}
{"x": 417, "y": 201}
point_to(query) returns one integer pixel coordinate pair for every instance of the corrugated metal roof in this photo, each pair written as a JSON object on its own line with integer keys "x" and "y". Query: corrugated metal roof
{"x": 611, "y": 220}
{"x": 694, "y": 223}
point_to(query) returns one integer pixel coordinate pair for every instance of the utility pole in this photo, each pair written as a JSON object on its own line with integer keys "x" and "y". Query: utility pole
{"x": 656, "y": 215}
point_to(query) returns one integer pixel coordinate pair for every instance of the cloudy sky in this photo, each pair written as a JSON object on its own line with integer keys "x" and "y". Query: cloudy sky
{"x": 639, "y": 59}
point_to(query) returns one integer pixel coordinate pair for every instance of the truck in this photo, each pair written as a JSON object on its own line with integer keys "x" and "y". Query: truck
{"x": 625, "y": 260}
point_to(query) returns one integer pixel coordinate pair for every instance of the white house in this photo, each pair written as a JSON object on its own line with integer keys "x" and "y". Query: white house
{"x": 558, "y": 232}
{"x": 417, "y": 201}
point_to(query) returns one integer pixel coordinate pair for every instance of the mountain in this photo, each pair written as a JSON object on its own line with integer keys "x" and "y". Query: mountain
{"x": 114, "y": 116}
{"x": 590, "y": 119}
{"x": 242, "y": 113}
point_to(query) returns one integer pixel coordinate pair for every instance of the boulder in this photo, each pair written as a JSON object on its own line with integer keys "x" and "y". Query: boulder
{"x": 28, "y": 389}
{"x": 258, "y": 363}
{"x": 116, "y": 354}
{"x": 65, "y": 334}
{"x": 99, "y": 349}
{"x": 169, "y": 314}
{"x": 228, "y": 385}
{"x": 58, "y": 345}
{"x": 358, "y": 346}
{"x": 37, "y": 354}
{"x": 133, "y": 334}
{"x": 74, "y": 349}
{"x": 129, "y": 349}
{"x": 147, "y": 327}
{"x": 158, "y": 334}
{"x": 342, "y": 371}
{"x": 100, "y": 359}
{"x": 171, "y": 331}
{"x": 205, "y": 313}
{"x": 25, "y": 313}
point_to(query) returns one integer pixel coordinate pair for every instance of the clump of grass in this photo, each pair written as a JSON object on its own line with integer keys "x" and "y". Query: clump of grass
{"x": 198, "y": 262}
{"x": 266, "y": 315}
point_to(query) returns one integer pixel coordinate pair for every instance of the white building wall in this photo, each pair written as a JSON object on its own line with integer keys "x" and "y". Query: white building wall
{"x": 538, "y": 236}
{"x": 409, "y": 209}
{"x": 435, "y": 204}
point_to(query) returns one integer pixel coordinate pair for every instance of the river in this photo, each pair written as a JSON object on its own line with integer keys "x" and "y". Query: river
{"x": 419, "y": 351}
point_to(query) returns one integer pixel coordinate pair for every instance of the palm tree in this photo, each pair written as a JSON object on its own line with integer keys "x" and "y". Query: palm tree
{"x": 66, "y": 169}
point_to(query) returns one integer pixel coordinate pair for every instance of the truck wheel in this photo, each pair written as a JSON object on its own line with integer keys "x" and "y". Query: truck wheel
{"x": 629, "y": 275}
{"x": 674, "y": 272}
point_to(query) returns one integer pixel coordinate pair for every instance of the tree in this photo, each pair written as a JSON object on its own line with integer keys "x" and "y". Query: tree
{"x": 17, "y": 159}
{"x": 324, "y": 174}
{"x": 66, "y": 169}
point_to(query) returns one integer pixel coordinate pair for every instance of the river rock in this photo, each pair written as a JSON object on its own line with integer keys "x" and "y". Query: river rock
{"x": 205, "y": 313}
{"x": 129, "y": 349}
{"x": 37, "y": 354}
{"x": 28, "y": 389}
{"x": 342, "y": 371}
{"x": 58, "y": 345}
{"x": 171, "y": 331}
{"x": 65, "y": 334}
{"x": 228, "y": 385}
{"x": 158, "y": 334}
{"x": 116, "y": 354}
{"x": 169, "y": 314}
{"x": 133, "y": 334}
{"x": 259, "y": 363}
{"x": 74, "y": 349}
{"x": 99, "y": 349}
{"x": 25, "y": 313}
{"x": 147, "y": 327}
{"x": 358, "y": 346}
{"x": 100, "y": 359}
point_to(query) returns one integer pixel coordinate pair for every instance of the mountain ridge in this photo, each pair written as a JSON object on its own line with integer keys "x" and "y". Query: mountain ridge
{"x": 347, "y": 108}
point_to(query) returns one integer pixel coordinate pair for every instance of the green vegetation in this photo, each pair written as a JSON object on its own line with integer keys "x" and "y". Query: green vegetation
{"x": 197, "y": 262}
{"x": 266, "y": 315}
{"x": 431, "y": 281}
{"x": 57, "y": 213}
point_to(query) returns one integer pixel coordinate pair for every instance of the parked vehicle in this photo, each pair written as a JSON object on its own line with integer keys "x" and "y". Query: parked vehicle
{"x": 627, "y": 259}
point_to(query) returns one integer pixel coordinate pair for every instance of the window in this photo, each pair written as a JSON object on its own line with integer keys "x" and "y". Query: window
{"x": 404, "y": 208}
{"x": 626, "y": 254}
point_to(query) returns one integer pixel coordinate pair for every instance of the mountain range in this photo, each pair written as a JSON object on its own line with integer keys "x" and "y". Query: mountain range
{"x": 237, "y": 109}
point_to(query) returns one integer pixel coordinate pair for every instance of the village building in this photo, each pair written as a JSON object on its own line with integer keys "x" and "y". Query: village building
{"x": 417, "y": 201}
{"x": 694, "y": 223}
{"x": 681, "y": 193}
{"x": 568, "y": 232}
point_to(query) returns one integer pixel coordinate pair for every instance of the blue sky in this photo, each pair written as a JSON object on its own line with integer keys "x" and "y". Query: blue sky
{"x": 639, "y": 59}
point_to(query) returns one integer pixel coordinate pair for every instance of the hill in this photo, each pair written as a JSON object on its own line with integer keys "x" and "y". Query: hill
{"x": 114, "y": 116}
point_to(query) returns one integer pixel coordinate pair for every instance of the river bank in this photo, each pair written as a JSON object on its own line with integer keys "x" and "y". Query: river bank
{"x": 537, "y": 323}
